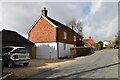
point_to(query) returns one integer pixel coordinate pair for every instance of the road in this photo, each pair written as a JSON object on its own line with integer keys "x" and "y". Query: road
{"x": 101, "y": 64}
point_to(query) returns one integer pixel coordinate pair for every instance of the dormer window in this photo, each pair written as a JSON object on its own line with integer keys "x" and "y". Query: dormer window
{"x": 65, "y": 35}
{"x": 74, "y": 38}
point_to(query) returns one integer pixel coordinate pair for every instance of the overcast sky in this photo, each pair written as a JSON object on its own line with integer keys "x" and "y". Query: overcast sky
{"x": 100, "y": 19}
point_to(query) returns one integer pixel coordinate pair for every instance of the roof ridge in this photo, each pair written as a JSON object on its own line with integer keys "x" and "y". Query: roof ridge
{"x": 14, "y": 34}
{"x": 54, "y": 21}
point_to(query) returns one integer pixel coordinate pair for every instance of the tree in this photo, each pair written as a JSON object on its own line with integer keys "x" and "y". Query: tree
{"x": 99, "y": 45}
{"x": 117, "y": 39}
{"x": 79, "y": 27}
{"x": 119, "y": 33}
{"x": 76, "y": 26}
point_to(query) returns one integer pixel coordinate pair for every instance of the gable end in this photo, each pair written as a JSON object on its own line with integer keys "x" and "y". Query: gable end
{"x": 37, "y": 22}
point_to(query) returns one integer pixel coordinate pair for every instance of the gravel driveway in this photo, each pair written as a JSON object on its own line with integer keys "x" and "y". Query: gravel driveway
{"x": 35, "y": 66}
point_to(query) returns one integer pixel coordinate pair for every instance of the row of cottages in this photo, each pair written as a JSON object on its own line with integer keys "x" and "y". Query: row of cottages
{"x": 52, "y": 38}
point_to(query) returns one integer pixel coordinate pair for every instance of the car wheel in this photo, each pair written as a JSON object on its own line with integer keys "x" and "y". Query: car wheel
{"x": 25, "y": 64}
{"x": 10, "y": 64}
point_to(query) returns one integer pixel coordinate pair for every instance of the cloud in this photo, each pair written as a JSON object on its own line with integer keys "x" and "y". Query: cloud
{"x": 1, "y": 15}
{"x": 19, "y": 16}
{"x": 103, "y": 23}
{"x": 96, "y": 7}
{"x": 99, "y": 18}
{"x": 107, "y": 31}
{"x": 66, "y": 12}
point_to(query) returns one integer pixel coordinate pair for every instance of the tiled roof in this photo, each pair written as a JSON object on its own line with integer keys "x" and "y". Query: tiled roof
{"x": 62, "y": 26}
{"x": 12, "y": 36}
{"x": 56, "y": 23}
{"x": 90, "y": 41}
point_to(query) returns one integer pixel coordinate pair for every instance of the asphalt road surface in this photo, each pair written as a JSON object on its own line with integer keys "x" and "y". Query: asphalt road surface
{"x": 101, "y": 64}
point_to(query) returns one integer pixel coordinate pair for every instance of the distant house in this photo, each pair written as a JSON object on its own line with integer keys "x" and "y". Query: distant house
{"x": 12, "y": 38}
{"x": 52, "y": 38}
{"x": 89, "y": 42}
{"x": 105, "y": 43}
{"x": 108, "y": 44}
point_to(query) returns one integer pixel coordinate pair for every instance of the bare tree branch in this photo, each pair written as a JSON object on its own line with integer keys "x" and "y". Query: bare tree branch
{"x": 76, "y": 26}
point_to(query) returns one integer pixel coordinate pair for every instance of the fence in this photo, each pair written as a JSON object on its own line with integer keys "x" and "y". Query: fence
{"x": 80, "y": 51}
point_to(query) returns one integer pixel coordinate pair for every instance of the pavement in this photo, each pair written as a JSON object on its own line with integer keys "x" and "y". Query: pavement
{"x": 101, "y": 64}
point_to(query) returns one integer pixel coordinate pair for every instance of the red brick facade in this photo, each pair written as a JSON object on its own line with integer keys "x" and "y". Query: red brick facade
{"x": 42, "y": 32}
{"x": 70, "y": 37}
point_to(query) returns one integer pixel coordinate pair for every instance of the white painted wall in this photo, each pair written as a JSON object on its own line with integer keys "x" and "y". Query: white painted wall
{"x": 66, "y": 52}
{"x": 105, "y": 43}
{"x": 43, "y": 50}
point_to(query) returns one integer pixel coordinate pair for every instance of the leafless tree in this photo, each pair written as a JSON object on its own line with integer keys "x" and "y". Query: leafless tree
{"x": 80, "y": 27}
{"x": 71, "y": 24}
{"x": 76, "y": 25}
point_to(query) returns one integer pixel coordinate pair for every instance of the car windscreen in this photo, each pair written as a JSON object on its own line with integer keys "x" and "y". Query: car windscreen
{"x": 6, "y": 50}
{"x": 20, "y": 50}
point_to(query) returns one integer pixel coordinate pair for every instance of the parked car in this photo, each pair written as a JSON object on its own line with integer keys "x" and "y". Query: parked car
{"x": 14, "y": 56}
{"x": 116, "y": 46}
{"x": 1, "y": 67}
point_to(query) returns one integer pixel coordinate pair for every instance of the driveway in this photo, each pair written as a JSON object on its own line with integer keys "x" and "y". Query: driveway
{"x": 35, "y": 66}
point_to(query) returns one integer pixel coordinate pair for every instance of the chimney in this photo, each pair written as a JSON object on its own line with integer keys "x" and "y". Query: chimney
{"x": 44, "y": 12}
{"x": 89, "y": 37}
{"x": 72, "y": 27}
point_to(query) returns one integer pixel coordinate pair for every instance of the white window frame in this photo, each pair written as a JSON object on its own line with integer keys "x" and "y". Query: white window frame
{"x": 80, "y": 39}
{"x": 74, "y": 38}
{"x": 65, "y": 35}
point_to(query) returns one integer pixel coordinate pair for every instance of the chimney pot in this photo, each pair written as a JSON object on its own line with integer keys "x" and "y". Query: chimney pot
{"x": 44, "y": 12}
{"x": 44, "y": 8}
{"x": 89, "y": 37}
{"x": 72, "y": 27}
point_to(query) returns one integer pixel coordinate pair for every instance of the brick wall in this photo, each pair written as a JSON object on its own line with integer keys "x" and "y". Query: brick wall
{"x": 43, "y": 31}
{"x": 70, "y": 37}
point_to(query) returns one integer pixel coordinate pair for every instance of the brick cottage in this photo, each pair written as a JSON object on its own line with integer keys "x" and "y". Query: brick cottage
{"x": 52, "y": 38}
